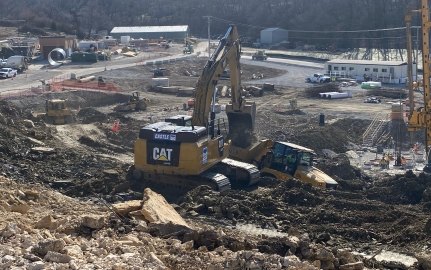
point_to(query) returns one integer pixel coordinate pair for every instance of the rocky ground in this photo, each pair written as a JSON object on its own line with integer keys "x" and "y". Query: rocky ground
{"x": 61, "y": 187}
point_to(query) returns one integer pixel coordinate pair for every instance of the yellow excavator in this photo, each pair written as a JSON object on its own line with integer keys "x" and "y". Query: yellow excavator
{"x": 181, "y": 153}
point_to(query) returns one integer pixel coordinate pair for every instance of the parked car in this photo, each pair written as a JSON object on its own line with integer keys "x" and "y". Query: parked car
{"x": 259, "y": 55}
{"x": 318, "y": 78}
{"x": 7, "y": 73}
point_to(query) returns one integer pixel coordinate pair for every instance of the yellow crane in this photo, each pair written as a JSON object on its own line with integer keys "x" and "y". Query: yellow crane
{"x": 420, "y": 118}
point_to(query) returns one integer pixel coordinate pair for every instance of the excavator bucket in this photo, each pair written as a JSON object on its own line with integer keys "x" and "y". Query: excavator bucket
{"x": 241, "y": 124}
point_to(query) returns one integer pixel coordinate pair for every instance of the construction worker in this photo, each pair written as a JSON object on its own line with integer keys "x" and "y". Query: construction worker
{"x": 384, "y": 163}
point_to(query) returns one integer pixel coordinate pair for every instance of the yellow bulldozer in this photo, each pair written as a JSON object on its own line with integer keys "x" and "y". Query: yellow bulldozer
{"x": 57, "y": 113}
{"x": 283, "y": 161}
{"x": 135, "y": 103}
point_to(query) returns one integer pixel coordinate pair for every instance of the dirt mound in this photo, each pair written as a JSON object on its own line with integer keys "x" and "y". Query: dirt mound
{"x": 313, "y": 91}
{"x": 402, "y": 189}
{"x": 336, "y": 217}
{"x": 91, "y": 115}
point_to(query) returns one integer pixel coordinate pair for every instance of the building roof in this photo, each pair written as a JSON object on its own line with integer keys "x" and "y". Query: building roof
{"x": 367, "y": 62}
{"x": 149, "y": 29}
{"x": 273, "y": 29}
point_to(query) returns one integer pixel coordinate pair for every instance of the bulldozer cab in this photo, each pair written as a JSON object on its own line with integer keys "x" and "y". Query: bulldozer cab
{"x": 55, "y": 105}
{"x": 134, "y": 96}
{"x": 57, "y": 113}
{"x": 286, "y": 157}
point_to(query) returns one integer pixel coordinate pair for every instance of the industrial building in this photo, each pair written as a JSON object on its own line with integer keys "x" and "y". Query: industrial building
{"x": 383, "y": 71}
{"x": 175, "y": 32}
{"x": 273, "y": 35}
{"x": 49, "y": 43}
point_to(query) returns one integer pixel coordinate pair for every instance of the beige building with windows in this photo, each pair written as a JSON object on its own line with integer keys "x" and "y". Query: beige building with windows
{"x": 383, "y": 71}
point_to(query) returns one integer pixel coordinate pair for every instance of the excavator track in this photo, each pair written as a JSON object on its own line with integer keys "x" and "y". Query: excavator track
{"x": 240, "y": 174}
{"x": 175, "y": 186}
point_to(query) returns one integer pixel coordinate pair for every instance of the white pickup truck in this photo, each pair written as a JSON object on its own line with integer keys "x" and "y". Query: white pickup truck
{"x": 318, "y": 78}
{"x": 7, "y": 72}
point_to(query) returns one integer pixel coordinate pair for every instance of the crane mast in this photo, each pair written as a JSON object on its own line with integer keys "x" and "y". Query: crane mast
{"x": 420, "y": 118}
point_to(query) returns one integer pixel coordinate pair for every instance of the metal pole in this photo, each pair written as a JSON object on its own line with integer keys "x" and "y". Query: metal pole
{"x": 417, "y": 53}
{"x": 209, "y": 36}
{"x": 408, "y": 20}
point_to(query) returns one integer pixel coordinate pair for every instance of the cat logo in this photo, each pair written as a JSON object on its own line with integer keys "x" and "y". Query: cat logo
{"x": 162, "y": 154}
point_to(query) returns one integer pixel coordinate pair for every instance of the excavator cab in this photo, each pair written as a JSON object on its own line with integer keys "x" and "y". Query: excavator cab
{"x": 180, "y": 120}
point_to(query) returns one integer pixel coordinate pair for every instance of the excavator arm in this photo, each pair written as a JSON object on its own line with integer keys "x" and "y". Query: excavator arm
{"x": 241, "y": 114}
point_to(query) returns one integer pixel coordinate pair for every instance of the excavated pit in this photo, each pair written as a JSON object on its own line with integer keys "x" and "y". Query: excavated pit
{"x": 91, "y": 160}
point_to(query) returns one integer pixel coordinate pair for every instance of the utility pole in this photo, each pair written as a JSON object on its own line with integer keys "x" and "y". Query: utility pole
{"x": 209, "y": 35}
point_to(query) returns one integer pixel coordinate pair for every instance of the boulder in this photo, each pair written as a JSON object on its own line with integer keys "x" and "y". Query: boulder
{"x": 352, "y": 266}
{"x": 56, "y": 257}
{"x": 424, "y": 261}
{"x": 11, "y": 229}
{"x": 129, "y": 240}
{"x": 36, "y": 266}
{"x": 157, "y": 210}
{"x": 31, "y": 194}
{"x": 74, "y": 251}
{"x": 345, "y": 256}
{"x": 93, "y": 221}
{"x": 293, "y": 243}
{"x": 325, "y": 255}
{"x": 126, "y": 207}
{"x": 391, "y": 259}
{"x": 20, "y": 208}
{"x": 55, "y": 245}
{"x": 28, "y": 123}
{"x": 46, "y": 222}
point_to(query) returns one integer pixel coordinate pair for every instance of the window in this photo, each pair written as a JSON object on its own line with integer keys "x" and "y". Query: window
{"x": 367, "y": 69}
{"x": 375, "y": 70}
{"x": 384, "y": 70}
{"x": 343, "y": 68}
{"x": 351, "y": 68}
{"x": 306, "y": 159}
{"x": 335, "y": 68}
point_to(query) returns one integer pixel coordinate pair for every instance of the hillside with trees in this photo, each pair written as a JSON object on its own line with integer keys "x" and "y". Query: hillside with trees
{"x": 83, "y": 17}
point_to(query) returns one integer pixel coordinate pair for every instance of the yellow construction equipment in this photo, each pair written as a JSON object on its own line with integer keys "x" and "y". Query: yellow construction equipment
{"x": 193, "y": 154}
{"x": 283, "y": 161}
{"x": 57, "y": 113}
{"x": 135, "y": 103}
{"x": 420, "y": 118}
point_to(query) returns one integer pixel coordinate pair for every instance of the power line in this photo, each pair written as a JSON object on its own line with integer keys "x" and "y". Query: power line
{"x": 342, "y": 38}
{"x": 319, "y": 31}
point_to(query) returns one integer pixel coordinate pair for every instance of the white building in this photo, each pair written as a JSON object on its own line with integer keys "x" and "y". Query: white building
{"x": 173, "y": 32}
{"x": 273, "y": 35}
{"x": 382, "y": 71}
